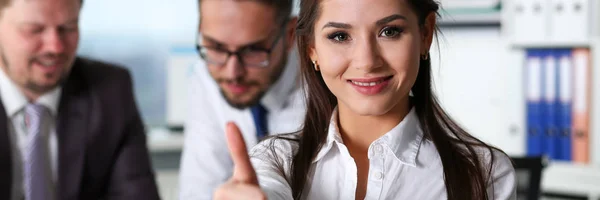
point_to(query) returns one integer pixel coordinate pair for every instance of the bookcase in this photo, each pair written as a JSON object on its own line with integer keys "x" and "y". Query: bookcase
{"x": 480, "y": 74}
{"x": 544, "y": 17}
{"x": 553, "y": 25}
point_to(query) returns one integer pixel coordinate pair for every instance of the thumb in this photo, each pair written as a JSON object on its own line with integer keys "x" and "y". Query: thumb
{"x": 243, "y": 170}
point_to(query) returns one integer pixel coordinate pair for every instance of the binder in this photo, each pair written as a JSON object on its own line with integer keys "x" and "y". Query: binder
{"x": 531, "y": 20}
{"x": 534, "y": 102}
{"x": 581, "y": 105}
{"x": 565, "y": 93}
{"x": 549, "y": 110}
{"x": 569, "y": 21}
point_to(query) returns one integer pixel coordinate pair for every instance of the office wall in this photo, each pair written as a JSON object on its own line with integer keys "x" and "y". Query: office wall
{"x": 478, "y": 80}
{"x": 139, "y": 35}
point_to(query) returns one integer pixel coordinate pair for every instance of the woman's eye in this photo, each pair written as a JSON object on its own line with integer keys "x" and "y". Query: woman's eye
{"x": 338, "y": 37}
{"x": 390, "y": 32}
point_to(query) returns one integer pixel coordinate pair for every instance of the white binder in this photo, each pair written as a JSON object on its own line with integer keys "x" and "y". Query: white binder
{"x": 530, "y": 19}
{"x": 569, "y": 21}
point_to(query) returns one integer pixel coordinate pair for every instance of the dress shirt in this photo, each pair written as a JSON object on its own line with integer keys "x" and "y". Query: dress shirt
{"x": 206, "y": 162}
{"x": 14, "y": 103}
{"x": 402, "y": 165}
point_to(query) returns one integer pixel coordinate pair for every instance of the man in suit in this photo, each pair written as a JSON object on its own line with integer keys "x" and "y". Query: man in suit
{"x": 69, "y": 127}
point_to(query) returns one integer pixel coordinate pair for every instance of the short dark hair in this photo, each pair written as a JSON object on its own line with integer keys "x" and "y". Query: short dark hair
{"x": 283, "y": 8}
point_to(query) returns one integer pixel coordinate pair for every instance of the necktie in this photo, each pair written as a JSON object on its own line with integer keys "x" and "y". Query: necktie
{"x": 259, "y": 114}
{"x": 36, "y": 178}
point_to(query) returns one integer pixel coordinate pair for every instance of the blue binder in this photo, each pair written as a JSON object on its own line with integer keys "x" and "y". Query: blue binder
{"x": 549, "y": 103}
{"x": 565, "y": 91}
{"x": 533, "y": 84}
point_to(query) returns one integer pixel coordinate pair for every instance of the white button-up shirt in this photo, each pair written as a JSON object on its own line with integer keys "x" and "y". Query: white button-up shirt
{"x": 402, "y": 165}
{"x": 14, "y": 103}
{"x": 206, "y": 162}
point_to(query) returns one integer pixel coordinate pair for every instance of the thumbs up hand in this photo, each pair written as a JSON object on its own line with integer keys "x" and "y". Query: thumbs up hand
{"x": 243, "y": 185}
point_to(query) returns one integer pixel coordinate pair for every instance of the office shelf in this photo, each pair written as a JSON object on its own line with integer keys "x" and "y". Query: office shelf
{"x": 470, "y": 19}
{"x": 554, "y": 44}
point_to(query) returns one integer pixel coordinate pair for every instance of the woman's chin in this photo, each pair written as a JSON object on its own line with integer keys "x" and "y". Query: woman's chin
{"x": 370, "y": 108}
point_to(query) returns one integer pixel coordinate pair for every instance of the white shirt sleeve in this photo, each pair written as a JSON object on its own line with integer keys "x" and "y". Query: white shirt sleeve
{"x": 503, "y": 183}
{"x": 271, "y": 160}
{"x": 205, "y": 162}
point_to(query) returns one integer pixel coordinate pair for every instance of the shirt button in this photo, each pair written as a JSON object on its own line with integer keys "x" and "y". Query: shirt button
{"x": 378, "y": 175}
{"x": 379, "y": 149}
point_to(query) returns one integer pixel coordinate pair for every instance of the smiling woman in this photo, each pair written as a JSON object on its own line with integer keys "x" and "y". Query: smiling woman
{"x": 364, "y": 135}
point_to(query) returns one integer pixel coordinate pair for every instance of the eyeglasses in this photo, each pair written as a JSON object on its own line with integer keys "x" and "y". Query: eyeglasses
{"x": 248, "y": 56}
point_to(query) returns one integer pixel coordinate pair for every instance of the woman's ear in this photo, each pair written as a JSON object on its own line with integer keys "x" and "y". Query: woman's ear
{"x": 312, "y": 53}
{"x": 427, "y": 32}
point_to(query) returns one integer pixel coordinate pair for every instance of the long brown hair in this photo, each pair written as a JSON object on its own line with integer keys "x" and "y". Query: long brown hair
{"x": 465, "y": 174}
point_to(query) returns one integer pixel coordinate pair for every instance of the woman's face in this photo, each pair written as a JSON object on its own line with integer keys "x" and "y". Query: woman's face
{"x": 368, "y": 52}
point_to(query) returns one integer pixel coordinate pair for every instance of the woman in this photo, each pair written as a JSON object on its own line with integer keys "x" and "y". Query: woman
{"x": 373, "y": 129}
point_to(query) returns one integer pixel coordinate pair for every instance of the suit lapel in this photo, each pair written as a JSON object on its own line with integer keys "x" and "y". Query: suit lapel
{"x": 5, "y": 156}
{"x": 71, "y": 130}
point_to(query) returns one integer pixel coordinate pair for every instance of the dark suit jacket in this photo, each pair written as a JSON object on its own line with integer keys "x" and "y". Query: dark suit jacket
{"x": 102, "y": 152}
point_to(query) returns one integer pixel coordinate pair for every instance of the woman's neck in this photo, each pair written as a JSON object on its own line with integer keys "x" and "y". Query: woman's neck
{"x": 359, "y": 131}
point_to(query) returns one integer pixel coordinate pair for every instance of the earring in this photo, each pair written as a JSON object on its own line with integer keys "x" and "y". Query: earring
{"x": 315, "y": 65}
{"x": 425, "y": 56}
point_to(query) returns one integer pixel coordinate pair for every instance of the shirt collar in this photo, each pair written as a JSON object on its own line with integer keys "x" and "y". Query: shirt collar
{"x": 333, "y": 136}
{"x": 14, "y": 100}
{"x": 404, "y": 139}
{"x": 278, "y": 94}
{"x": 51, "y": 100}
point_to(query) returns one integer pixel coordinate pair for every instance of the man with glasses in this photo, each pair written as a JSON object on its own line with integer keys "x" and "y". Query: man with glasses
{"x": 244, "y": 77}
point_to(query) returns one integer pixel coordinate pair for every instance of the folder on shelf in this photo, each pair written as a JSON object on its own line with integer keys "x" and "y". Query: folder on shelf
{"x": 569, "y": 21}
{"x": 549, "y": 110}
{"x": 565, "y": 94}
{"x": 534, "y": 102}
{"x": 581, "y": 105}
{"x": 530, "y": 19}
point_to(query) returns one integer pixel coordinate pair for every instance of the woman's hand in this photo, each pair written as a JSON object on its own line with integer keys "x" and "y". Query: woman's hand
{"x": 243, "y": 184}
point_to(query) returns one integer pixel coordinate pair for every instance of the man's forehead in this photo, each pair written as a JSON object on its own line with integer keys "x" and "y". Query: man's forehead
{"x": 234, "y": 43}
{"x": 67, "y": 4}
{"x": 237, "y": 22}
{"x": 40, "y": 11}
{"x": 240, "y": 14}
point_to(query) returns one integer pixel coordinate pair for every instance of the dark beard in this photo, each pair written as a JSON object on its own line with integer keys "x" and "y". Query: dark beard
{"x": 4, "y": 60}
{"x": 39, "y": 89}
{"x": 30, "y": 85}
{"x": 241, "y": 106}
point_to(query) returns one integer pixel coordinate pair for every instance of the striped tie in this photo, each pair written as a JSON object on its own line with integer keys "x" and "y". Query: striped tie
{"x": 36, "y": 178}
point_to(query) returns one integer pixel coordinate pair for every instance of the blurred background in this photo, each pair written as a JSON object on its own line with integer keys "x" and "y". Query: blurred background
{"x": 518, "y": 74}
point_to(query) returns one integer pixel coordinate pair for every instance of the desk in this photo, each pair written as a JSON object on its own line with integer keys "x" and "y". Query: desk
{"x": 165, "y": 149}
{"x": 572, "y": 179}
{"x": 168, "y": 184}
{"x": 164, "y": 141}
